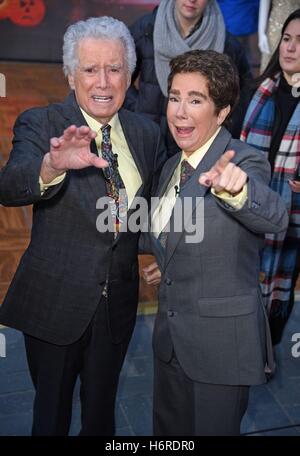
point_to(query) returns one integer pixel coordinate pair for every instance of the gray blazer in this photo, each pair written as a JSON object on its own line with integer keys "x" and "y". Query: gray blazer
{"x": 58, "y": 284}
{"x": 210, "y": 306}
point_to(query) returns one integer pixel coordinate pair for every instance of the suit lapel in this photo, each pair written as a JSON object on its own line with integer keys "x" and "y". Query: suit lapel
{"x": 193, "y": 189}
{"x": 166, "y": 175}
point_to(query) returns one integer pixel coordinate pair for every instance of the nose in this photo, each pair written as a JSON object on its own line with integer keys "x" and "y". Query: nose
{"x": 181, "y": 111}
{"x": 291, "y": 46}
{"x": 102, "y": 79}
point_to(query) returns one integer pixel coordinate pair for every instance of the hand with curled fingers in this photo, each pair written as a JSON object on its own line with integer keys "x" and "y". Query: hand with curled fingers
{"x": 70, "y": 151}
{"x": 152, "y": 274}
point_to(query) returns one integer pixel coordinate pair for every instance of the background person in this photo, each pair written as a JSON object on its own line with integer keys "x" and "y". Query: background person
{"x": 272, "y": 14}
{"x": 176, "y": 26}
{"x": 272, "y": 124}
{"x": 241, "y": 20}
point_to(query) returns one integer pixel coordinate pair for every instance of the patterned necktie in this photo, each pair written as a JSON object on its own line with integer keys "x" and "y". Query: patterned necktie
{"x": 113, "y": 179}
{"x": 186, "y": 171}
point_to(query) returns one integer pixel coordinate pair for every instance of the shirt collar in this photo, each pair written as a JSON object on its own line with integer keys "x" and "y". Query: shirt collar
{"x": 95, "y": 125}
{"x": 195, "y": 158}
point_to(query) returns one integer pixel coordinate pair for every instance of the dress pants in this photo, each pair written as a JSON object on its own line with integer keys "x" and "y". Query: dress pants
{"x": 183, "y": 407}
{"x": 54, "y": 370}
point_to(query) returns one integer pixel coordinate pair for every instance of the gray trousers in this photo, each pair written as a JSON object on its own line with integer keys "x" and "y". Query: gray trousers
{"x": 186, "y": 407}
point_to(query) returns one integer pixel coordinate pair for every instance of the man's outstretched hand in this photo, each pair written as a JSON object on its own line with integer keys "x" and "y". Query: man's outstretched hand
{"x": 70, "y": 151}
{"x": 224, "y": 175}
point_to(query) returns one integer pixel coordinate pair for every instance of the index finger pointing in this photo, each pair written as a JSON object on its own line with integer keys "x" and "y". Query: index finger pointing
{"x": 226, "y": 158}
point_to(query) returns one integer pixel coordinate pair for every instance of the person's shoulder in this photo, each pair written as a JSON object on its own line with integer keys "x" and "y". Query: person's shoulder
{"x": 245, "y": 151}
{"x": 34, "y": 115}
{"x": 44, "y": 114}
{"x": 139, "y": 120}
{"x": 144, "y": 25}
{"x": 42, "y": 111}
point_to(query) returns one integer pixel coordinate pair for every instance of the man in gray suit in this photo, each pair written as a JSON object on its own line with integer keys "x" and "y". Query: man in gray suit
{"x": 211, "y": 337}
{"x": 75, "y": 292}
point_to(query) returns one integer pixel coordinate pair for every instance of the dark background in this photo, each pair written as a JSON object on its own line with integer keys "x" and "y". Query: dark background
{"x": 22, "y": 38}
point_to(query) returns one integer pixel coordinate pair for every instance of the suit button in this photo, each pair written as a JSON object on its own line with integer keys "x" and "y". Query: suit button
{"x": 168, "y": 281}
{"x": 171, "y": 313}
{"x": 255, "y": 205}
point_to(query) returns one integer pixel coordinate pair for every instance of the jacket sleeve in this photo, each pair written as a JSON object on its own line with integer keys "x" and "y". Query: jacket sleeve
{"x": 142, "y": 33}
{"x": 234, "y": 49}
{"x": 264, "y": 210}
{"x": 132, "y": 92}
{"x": 19, "y": 178}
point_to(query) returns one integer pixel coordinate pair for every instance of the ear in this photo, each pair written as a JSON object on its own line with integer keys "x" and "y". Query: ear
{"x": 71, "y": 81}
{"x": 223, "y": 114}
{"x": 128, "y": 80}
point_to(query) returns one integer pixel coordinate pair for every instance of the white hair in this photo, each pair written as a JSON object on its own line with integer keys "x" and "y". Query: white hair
{"x": 104, "y": 27}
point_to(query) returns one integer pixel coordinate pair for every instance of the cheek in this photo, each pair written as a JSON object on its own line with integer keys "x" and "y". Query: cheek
{"x": 281, "y": 50}
{"x": 83, "y": 86}
{"x": 170, "y": 111}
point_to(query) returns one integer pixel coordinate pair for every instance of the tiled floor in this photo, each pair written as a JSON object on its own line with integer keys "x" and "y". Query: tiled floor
{"x": 274, "y": 408}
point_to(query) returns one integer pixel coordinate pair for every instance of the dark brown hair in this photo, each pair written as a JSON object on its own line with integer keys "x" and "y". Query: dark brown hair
{"x": 218, "y": 69}
{"x": 273, "y": 66}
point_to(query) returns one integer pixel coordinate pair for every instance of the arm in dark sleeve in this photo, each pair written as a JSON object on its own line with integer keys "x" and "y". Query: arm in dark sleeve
{"x": 235, "y": 123}
{"x": 19, "y": 178}
{"x": 142, "y": 33}
{"x": 235, "y": 50}
{"x": 132, "y": 92}
{"x": 264, "y": 210}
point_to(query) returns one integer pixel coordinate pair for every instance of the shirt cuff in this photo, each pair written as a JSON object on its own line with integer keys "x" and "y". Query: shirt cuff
{"x": 57, "y": 180}
{"x": 237, "y": 202}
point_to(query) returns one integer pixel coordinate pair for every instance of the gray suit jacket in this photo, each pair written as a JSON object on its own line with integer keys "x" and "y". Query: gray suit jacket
{"x": 210, "y": 306}
{"x": 59, "y": 281}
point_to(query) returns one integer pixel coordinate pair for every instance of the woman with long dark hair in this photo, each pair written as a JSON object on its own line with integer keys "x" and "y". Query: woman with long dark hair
{"x": 272, "y": 124}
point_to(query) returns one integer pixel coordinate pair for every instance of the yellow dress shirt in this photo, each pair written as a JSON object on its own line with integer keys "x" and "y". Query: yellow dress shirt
{"x": 127, "y": 167}
{"x": 164, "y": 210}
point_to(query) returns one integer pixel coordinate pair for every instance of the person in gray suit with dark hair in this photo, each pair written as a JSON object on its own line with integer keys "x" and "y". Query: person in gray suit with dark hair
{"x": 211, "y": 337}
{"x": 75, "y": 292}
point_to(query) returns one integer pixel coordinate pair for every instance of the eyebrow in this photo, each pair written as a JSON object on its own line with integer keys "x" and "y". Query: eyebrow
{"x": 288, "y": 34}
{"x": 191, "y": 93}
{"x": 95, "y": 65}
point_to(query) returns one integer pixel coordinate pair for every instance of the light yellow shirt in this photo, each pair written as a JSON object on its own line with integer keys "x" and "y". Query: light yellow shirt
{"x": 127, "y": 167}
{"x": 164, "y": 210}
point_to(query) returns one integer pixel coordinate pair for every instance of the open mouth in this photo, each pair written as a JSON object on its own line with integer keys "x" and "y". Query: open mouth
{"x": 184, "y": 131}
{"x": 101, "y": 99}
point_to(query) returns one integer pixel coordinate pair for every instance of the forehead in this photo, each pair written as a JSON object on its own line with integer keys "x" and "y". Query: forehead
{"x": 293, "y": 27}
{"x": 186, "y": 82}
{"x": 96, "y": 50}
